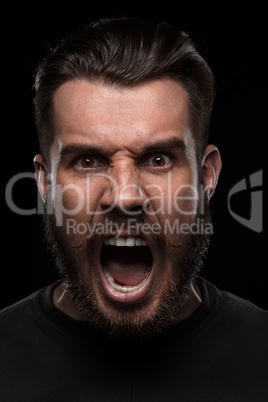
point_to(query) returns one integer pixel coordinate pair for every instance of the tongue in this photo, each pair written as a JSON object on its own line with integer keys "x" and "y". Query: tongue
{"x": 127, "y": 265}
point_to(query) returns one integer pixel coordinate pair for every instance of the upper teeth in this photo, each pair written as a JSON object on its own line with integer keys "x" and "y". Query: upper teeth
{"x": 124, "y": 241}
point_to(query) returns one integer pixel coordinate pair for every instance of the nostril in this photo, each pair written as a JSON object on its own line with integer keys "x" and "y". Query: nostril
{"x": 128, "y": 210}
{"x": 128, "y": 198}
{"x": 132, "y": 210}
{"x": 133, "y": 206}
{"x": 137, "y": 210}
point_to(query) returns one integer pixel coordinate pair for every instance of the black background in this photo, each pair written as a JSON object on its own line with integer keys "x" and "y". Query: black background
{"x": 233, "y": 42}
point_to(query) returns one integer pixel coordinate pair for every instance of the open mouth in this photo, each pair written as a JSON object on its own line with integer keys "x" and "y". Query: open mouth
{"x": 127, "y": 263}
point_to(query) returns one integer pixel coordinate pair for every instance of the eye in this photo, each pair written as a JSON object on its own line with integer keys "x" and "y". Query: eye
{"x": 159, "y": 160}
{"x": 89, "y": 162}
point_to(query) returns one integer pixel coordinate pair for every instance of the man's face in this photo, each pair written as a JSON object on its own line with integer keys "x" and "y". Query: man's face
{"x": 123, "y": 189}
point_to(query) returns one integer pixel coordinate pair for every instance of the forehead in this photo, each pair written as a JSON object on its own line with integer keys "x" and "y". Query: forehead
{"x": 84, "y": 111}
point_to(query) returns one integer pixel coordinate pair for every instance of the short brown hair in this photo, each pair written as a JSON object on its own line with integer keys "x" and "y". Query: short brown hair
{"x": 125, "y": 52}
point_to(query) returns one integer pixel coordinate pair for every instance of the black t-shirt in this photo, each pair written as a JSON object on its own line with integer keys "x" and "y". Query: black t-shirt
{"x": 219, "y": 353}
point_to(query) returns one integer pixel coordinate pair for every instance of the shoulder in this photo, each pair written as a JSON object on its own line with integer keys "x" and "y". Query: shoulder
{"x": 233, "y": 313}
{"x": 245, "y": 321}
{"x": 230, "y": 302}
{"x": 17, "y": 306}
{"x": 16, "y": 316}
{"x": 239, "y": 307}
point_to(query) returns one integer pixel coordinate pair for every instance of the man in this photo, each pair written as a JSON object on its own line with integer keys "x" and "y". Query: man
{"x": 126, "y": 174}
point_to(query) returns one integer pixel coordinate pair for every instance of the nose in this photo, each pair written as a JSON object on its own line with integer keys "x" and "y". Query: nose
{"x": 124, "y": 192}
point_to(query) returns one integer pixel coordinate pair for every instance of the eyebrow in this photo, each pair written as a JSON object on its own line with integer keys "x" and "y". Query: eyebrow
{"x": 80, "y": 149}
{"x": 168, "y": 143}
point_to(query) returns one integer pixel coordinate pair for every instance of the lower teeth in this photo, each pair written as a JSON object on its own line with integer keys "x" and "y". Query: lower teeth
{"x": 121, "y": 288}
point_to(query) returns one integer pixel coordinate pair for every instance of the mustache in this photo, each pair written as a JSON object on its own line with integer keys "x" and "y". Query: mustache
{"x": 117, "y": 226}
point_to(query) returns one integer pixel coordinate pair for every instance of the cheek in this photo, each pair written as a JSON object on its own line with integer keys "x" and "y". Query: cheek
{"x": 75, "y": 201}
{"x": 174, "y": 196}
{"x": 84, "y": 195}
{"x": 70, "y": 200}
{"x": 185, "y": 200}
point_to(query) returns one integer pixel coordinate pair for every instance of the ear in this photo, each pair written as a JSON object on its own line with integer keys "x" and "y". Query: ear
{"x": 41, "y": 175}
{"x": 211, "y": 165}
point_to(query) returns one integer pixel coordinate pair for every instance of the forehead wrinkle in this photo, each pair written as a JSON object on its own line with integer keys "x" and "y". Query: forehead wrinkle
{"x": 87, "y": 103}
{"x": 130, "y": 131}
{"x": 84, "y": 148}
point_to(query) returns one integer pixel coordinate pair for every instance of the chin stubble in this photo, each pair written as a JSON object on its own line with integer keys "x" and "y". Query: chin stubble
{"x": 186, "y": 255}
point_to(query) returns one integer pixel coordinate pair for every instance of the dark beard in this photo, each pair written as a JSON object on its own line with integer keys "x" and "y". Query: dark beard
{"x": 187, "y": 260}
